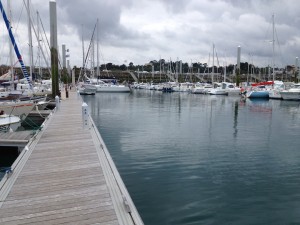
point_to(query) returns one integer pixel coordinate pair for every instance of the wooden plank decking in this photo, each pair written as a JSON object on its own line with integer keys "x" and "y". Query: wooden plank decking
{"x": 66, "y": 176}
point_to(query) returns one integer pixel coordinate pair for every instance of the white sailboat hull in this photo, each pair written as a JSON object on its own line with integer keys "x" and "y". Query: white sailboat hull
{"x": 87, "y": 89}
{"x": 9, "y": 123}
{"x": 292, "y": 93}
{"x": 112, "y": 88}
{"x": 288, "y": 95}
{"x": 20, "y": 109}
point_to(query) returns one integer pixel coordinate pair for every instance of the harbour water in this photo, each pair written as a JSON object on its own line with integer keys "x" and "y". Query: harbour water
{"x": 200, "y": 159}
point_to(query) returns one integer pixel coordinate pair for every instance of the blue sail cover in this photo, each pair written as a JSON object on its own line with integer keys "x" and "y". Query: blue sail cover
{"x": 12, "y": 38}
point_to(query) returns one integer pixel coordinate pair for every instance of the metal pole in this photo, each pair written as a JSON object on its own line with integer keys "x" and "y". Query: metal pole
{"x": 53, "y": 48}
{"x": 64, "y": 55}
{"x": 273, "y": 48}
{"x": 98, "y": 61}
{"x": 38, "y": 37}
{"x": 30, "y": 41}
{"x": 11, "y": 49}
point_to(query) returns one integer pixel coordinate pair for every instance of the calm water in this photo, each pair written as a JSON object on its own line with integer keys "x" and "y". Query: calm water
{"x": 196, "y": 159}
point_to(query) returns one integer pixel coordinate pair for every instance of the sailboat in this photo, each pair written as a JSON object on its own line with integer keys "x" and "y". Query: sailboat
{"x": 85, "y": 88}
{"x": 267, "y": 89}
{"x": 101, "y": 85}
{"x": 8, "y": 123}
{"x": 16, "y": 108}
{"x": 292, "y": 94}
{"x": 278, "y": 86}
{"x": 259, "y": 90}
{"x": 216, "y": 86}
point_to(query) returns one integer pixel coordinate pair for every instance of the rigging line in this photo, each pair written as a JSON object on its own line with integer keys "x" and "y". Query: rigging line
{"x": 17, "y": 26}
{"x": 44, "y": 32}
{"x": 207, "y": 65}
{"x": 45, "y": 47}
{"x": 104, "y": 63}
{"x": 15, "y": 29}
{"x": 46, "y": 44}
{"x": 34, "y": 30}
{"x": 24, "y": 70}
{"x": 87, "y": 54}
{"x": 217, "y": 58}
{"x": 279, "y": 47}
{"x": 90, "y": 45}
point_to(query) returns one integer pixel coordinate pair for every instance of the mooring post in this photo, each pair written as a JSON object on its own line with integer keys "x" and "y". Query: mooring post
{"x": 53, "y": 48}
{"x": 85, "y": 116}
{"x": 57, "y": 102}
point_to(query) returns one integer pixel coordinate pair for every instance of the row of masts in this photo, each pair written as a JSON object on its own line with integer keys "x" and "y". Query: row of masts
{"x": 52, "y": 47}
{"x": 91, "y": 52}
{"x": 30, "y": 45}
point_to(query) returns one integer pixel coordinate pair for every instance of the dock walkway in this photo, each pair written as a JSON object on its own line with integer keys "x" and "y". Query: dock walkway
{"x": 65, "y": 175}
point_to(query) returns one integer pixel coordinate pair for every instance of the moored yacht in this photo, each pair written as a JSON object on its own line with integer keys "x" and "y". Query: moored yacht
{"x": 274, "y": 92}
{"x": 20, "y": 108}
{"x": 231, "y": 89}
{"x": 9, "y": 123}
{"x": 102, "y": 86}
{"x": 259, "y": 90}
{"x": 292, "y": 94}
{"x": 217, "y": 90}
{"x": 202, "y": 88}
{"x": 86, "y": 89}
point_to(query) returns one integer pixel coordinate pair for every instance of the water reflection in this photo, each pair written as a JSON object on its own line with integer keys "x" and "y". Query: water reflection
{"x": 235, "y": 120}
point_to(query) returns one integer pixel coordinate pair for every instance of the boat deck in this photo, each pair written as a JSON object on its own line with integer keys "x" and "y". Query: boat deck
{"x": 65, "y": 175}
{"x": 20, "y": 138}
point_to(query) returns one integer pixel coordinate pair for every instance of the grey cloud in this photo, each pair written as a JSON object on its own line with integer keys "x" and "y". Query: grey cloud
{"x": 197, "y": 24}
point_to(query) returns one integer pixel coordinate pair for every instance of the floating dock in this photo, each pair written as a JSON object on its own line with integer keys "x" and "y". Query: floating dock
{"x": 65, "y": 175}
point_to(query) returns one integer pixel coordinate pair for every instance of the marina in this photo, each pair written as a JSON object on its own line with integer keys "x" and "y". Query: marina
{"x": 65, "y": 175}
{"x": 204, "y": 159}
{"x": 156, "y": 126}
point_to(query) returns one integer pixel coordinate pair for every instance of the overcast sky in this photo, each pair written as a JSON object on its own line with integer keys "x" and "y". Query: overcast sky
{"x": 139, "y": 31}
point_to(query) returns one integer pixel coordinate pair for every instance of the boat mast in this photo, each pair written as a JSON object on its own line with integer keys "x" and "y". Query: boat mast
{"x": 225, "y": 65}
{"x": 273, "y": 48}
{"x": 213, "y": 65}
{"x": 92, "y": 56}
{"x": 38, "y": 37}
{"x": 98, "y": 69}
{"x": 10, "y": 49}
{"x": 225, "y": 72}
{"x": 30, "y": 40}
{"x": 159, "y": 68}
{"x": 13, "y": 41}
{"x": 83, "y": 61}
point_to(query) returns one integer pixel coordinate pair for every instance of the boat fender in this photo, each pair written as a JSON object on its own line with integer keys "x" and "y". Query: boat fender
{"x": 9, "y": 172}
{"x": 126, "y": 204}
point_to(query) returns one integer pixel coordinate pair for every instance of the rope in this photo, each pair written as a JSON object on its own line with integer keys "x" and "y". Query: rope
{"x": 32, "y": 124}
{"x": 37, "y": 109}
